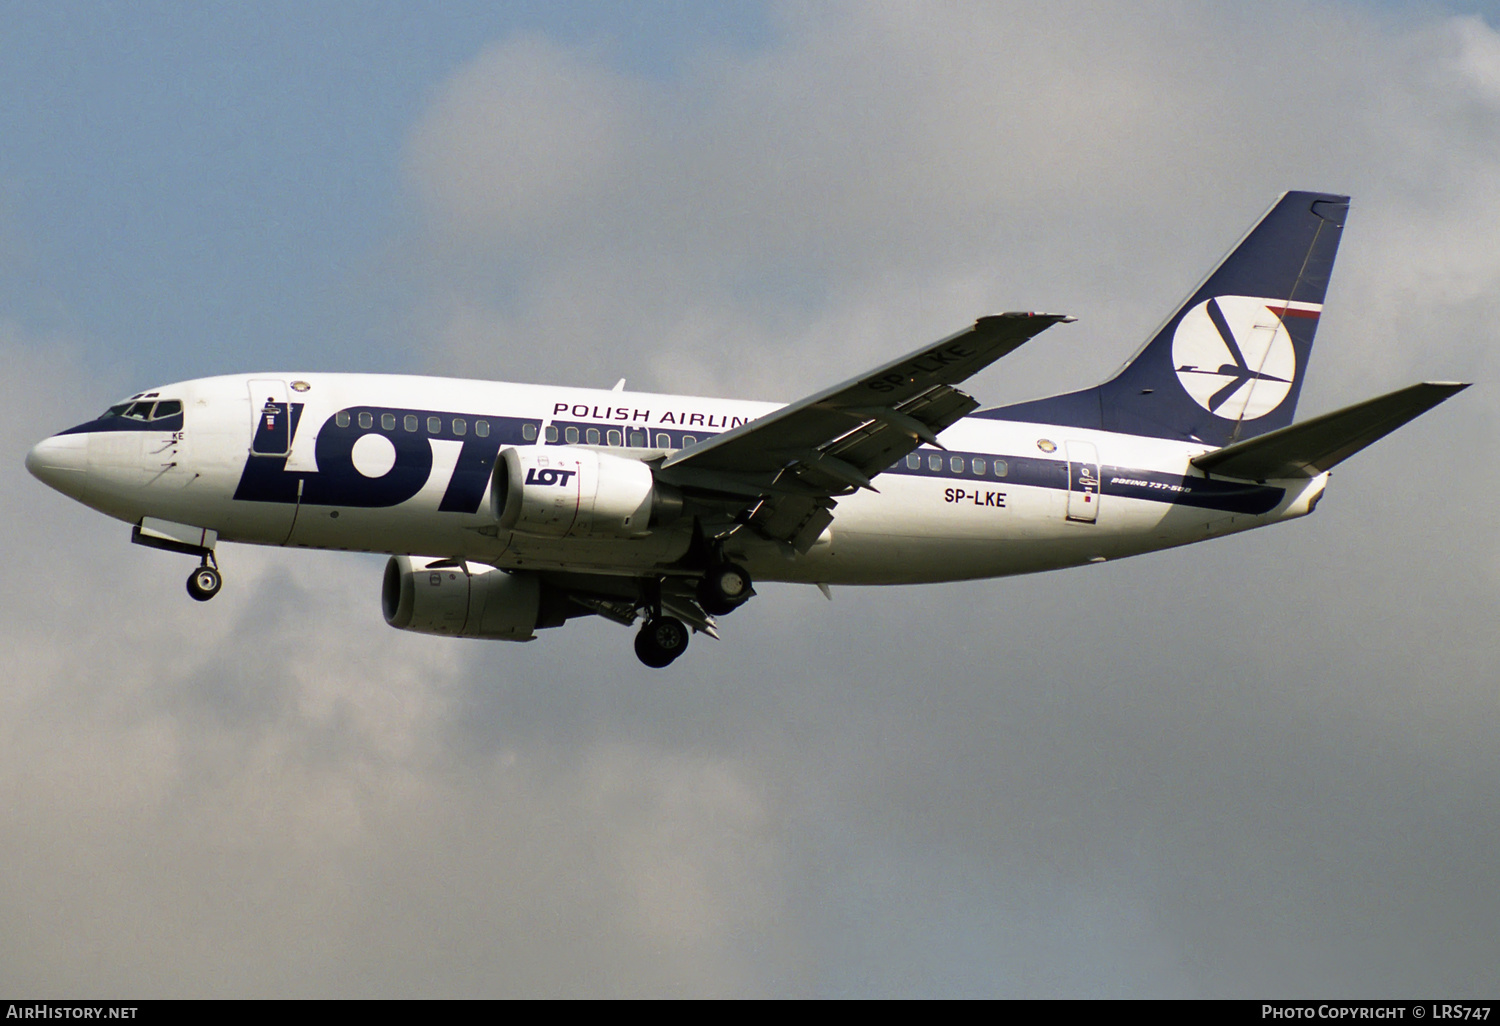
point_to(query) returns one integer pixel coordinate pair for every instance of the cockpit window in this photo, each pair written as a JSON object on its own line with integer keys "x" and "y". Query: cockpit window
{"x": 144, "y": 410}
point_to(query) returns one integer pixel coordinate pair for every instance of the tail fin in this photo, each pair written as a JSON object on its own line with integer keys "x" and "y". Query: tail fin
{"x": 1229, "y": 363}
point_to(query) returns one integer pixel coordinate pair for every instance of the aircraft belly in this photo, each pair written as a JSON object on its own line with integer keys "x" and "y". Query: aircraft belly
{"x": 420, "y": 529}
{"x": 603, "y": 555}
{"x": 929, "y": 534}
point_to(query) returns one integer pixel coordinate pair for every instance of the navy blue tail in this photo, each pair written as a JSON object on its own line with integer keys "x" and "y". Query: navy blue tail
{"x": 1229, "y": 364}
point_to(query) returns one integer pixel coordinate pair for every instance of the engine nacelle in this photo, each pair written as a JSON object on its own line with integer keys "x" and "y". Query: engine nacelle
{"x": 558, "y": 491}
{"x": 474, "y": 603}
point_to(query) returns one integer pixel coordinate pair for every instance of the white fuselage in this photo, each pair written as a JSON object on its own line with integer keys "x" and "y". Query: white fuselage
{"x": 397, "y": 464}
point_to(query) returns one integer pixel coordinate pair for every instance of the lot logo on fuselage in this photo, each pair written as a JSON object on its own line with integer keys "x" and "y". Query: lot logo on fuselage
{"x": 362, "y": 466}
{"x": 1233, "y": 355}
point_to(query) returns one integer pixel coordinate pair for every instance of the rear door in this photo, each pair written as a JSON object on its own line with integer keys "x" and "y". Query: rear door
{"x": 1083, "y": 482}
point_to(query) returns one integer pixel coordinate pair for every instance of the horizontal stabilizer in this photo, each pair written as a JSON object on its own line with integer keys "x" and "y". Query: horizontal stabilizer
{"x": 1308, "y": 448}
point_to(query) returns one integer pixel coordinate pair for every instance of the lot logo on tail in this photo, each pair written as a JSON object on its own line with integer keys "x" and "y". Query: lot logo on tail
{"x": 1233, "y": 354}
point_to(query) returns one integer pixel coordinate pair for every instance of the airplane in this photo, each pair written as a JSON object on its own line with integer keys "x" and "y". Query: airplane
{"x": 507, "y": 509}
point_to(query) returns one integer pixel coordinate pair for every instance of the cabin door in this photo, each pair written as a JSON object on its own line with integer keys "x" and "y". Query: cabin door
{"x": 1083, "y": 482}
{"x": 271, "y": 417}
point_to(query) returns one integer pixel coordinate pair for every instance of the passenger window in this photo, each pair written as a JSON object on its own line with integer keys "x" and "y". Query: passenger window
{"x": 614, "y": 436}
{"x": 366, "y": 419}
{"x": 689, "y": 440}
{"x": 571, "y": 434}
{"x": 528, "y": 432}
{"x": 978, "y": 464}
{"x": 638, "y": 439}
{"x": 482, "y": 428}
{"x": 551, "y": 432}
{"x": 170, "y": 408}
{"x": 342, "y": 419}
{"x": 434, "y": 425}
{"x": 913, "y": 461}
{"x": 956, "y": 464}
{"x": 387, "y": 422}
{"x": 409, "y": 422}
{"x": 1000, "y": 468}
{"x": 664, "y": 441}
{"x": 460, "y": 426}
{"x": 593, "y": 436}
{"x": 934, "y": 462}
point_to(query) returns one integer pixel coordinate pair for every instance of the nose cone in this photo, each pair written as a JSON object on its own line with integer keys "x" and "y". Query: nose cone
{"x": 60, "y": 461}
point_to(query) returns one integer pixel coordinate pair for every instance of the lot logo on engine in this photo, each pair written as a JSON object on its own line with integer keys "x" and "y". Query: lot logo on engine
{"x": 548, "y": 476}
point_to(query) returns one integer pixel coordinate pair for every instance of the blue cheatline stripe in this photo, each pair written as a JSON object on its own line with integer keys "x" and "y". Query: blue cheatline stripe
{"x": 115, "y": 423}
{"x": 265, "y": 478}
{"x": 1026, "y": 471}
{"x": 635, "y": 436}
{"x": 1131, "y": 483}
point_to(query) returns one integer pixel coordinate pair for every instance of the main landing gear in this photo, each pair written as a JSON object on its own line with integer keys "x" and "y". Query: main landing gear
{"x": 724, "y": 588}
{"x": 204, "y": 583}
{"x": 662, "y": 638}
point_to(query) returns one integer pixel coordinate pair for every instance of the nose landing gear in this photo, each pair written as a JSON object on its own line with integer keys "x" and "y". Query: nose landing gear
{"x": 204, "y": 583}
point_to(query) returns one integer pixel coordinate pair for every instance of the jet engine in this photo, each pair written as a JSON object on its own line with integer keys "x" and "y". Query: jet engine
{"x": 557, "y": 491}
{"x": 472, "y": 602}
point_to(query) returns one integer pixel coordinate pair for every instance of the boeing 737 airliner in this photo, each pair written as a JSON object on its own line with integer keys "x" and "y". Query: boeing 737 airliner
{"x": 510, "y": 508}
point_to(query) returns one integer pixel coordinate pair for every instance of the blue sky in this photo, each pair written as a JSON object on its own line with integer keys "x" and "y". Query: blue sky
{"x": 220, "y": 186}
{"x": 202, "y": 182}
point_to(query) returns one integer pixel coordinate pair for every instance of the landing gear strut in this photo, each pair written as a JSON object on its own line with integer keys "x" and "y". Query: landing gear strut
{"x": 204, "y": 583}
{"x": 661, "y": 640}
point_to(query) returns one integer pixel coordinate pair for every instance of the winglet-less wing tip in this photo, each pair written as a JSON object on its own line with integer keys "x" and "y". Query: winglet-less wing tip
{"x": 1011, "y": 315}
{"x": 1310, "y": 447}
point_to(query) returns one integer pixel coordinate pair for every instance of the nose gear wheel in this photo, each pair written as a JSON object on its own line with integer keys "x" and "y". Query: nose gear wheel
{"x": 204, "y": 583}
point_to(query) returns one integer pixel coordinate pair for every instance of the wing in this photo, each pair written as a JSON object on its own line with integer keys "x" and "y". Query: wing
{"x": 779, "y": 475}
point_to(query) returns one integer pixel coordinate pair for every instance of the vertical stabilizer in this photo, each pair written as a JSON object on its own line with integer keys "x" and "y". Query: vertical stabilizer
{"x": 1229, "y": 363}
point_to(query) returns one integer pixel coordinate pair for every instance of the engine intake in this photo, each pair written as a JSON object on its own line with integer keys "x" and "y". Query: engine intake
{"x": 557, "y": 491}
{"x": 475, "y": 603}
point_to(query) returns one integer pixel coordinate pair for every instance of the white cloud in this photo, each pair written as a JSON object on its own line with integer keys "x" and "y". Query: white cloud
{"x": 526, "y": 139}
{"x": 265, "y": 795}
{"x": 880, "y": 175}
{"x": 884, "y": 173}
